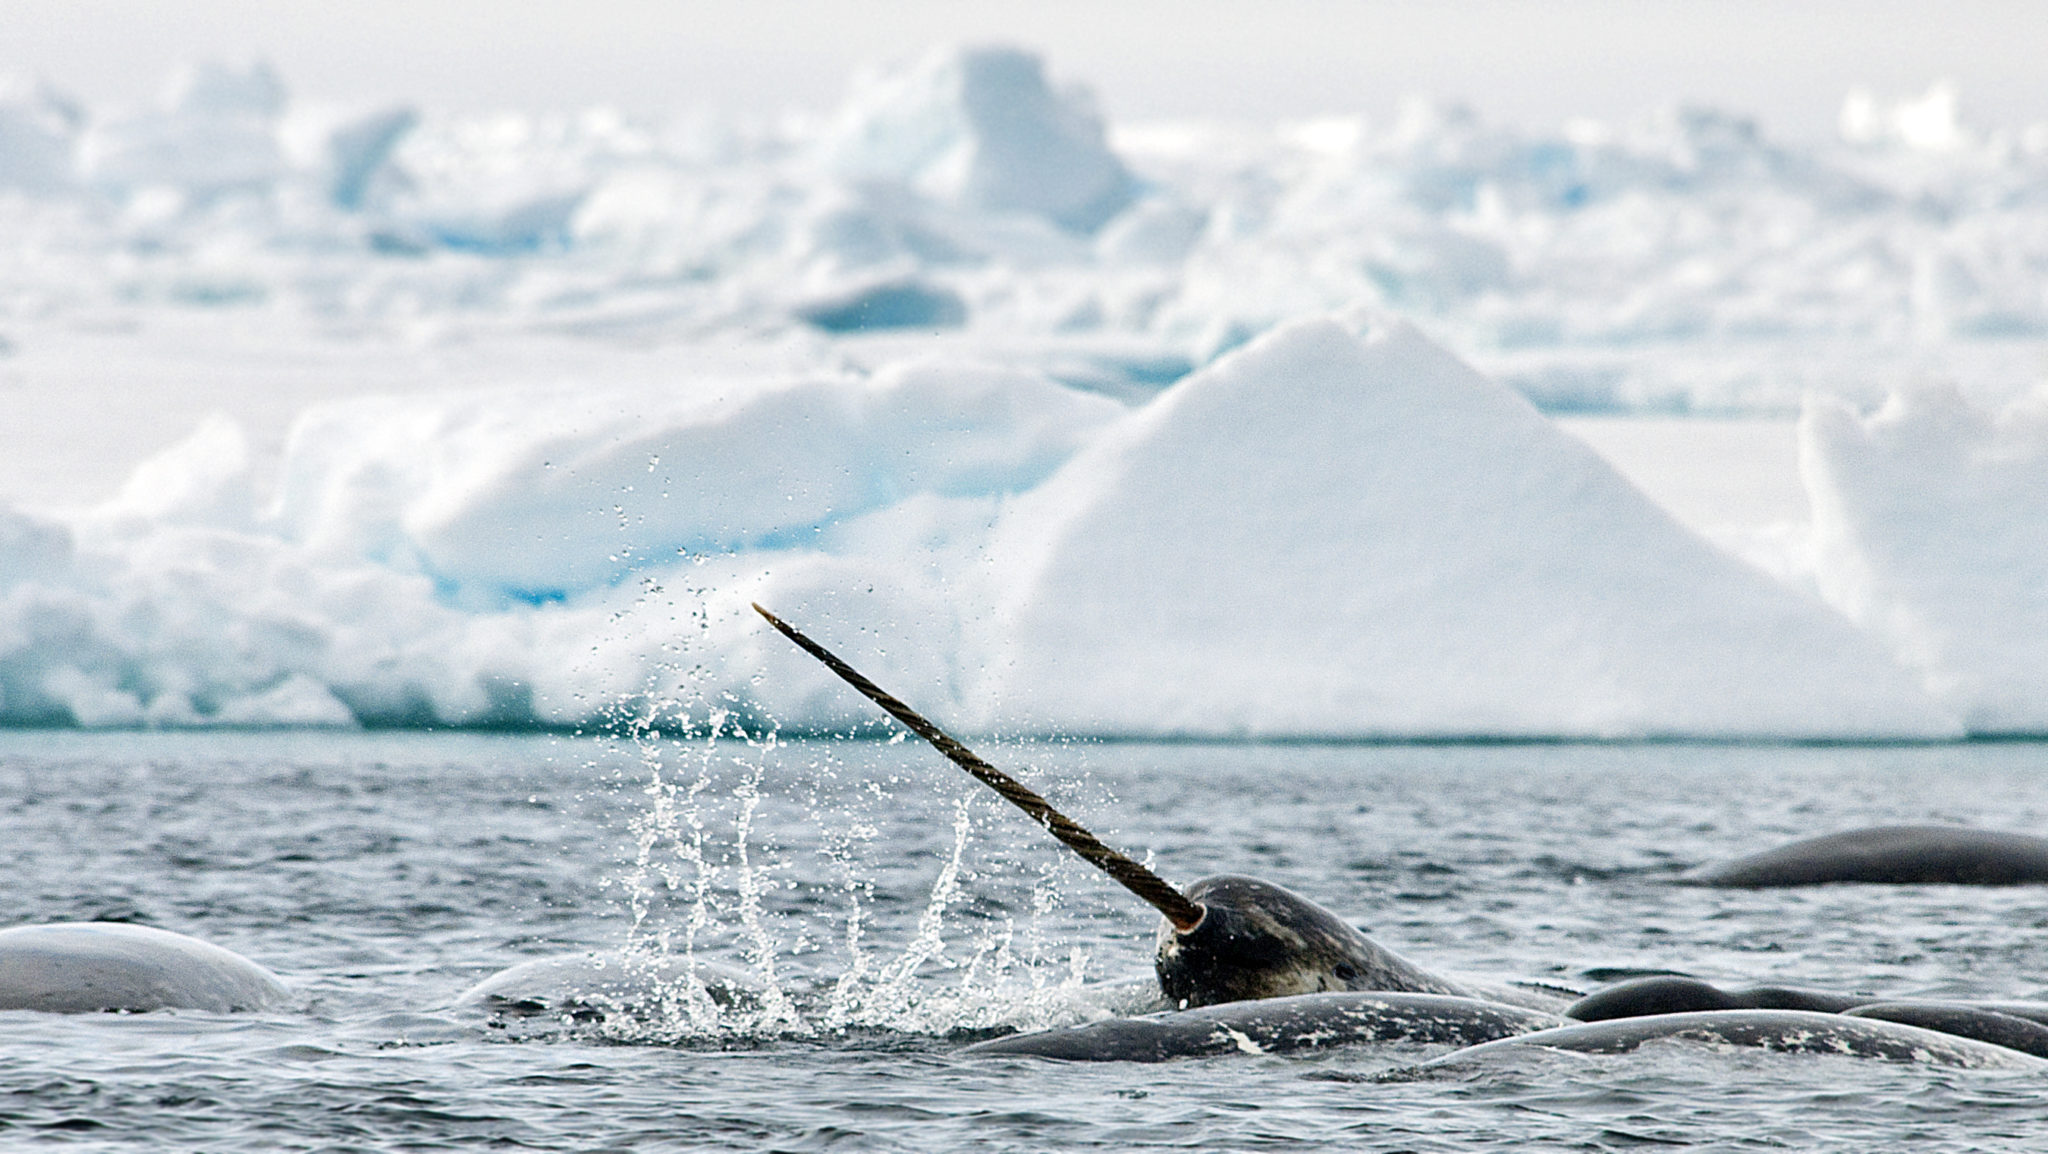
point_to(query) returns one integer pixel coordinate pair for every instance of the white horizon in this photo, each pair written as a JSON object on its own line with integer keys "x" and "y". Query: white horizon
{"x": 1515, "y": 63}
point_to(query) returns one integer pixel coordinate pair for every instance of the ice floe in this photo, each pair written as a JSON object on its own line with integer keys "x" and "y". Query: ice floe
{"x": 1053, "y": 437}
{"x": 1319, "y": 535}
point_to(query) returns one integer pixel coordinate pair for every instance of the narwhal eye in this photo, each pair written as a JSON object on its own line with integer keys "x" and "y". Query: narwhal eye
{"x": 1344, "y": 972}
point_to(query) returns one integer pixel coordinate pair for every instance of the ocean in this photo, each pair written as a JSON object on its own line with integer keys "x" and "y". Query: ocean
{"x": 901, "y": 915}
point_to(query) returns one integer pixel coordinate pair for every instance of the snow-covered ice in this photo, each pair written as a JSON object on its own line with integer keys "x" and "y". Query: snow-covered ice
{"x": 381, "y": 414}
{"x": 981, "y": 129}
{"x": 1685, "y": 261}
{"x": 543, "y": 497}
{"x": 1931, "y": 521}
{"x": 1319, "y": 535}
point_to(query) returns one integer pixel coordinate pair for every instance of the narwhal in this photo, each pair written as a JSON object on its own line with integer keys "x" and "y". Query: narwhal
{"x": 89, "y": 967}
{"x": 1259, "y": 966}
{"x": 1249, "y": 966}
{"x": 1242, "y": 964}
{"x": 1227, "y": 938}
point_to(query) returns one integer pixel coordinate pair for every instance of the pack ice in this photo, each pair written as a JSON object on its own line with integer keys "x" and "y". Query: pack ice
{"x": 1319, "y": 534}
{"x": 1683, "y": 261}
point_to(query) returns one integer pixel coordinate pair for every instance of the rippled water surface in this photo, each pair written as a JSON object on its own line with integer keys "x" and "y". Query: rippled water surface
{"x": 897, "y": 914}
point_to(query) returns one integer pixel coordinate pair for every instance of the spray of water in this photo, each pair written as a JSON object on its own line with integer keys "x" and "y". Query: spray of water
{"x": 768, "y": 888}
{"x": 777, "y": 889}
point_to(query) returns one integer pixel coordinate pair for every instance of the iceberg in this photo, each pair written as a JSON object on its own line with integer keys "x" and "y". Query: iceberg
{"x": 38, "y": 132}
{"x": 557, "y": 493}
{"x": 215, "y": 133}
{"x": 348, "y": 154}
{"x": 1320, "y": 535}
{"x": 1930, "y": 517}
{"x": 518, "y": 409}
{"x": 980, "y": 128}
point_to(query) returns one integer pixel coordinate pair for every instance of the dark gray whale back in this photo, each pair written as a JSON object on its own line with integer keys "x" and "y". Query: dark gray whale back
{"x": 2014, "y": 1025}
{"x": 1891, "y": 855}
{"x": 1783, "y": 1031}
{"x": 1963, "y": 1020}
{"x": 1279, "y": 1026}
{"x": 1671, "y": 994}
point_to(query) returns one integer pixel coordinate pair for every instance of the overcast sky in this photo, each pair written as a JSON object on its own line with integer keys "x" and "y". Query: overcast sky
{"x": 1524, "y": 61}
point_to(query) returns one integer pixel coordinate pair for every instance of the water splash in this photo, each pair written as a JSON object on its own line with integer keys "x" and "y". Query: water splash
{"x": 752, "y": 894}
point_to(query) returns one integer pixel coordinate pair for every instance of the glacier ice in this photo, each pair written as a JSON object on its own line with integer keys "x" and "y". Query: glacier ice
{"x": 1683, "y": 261}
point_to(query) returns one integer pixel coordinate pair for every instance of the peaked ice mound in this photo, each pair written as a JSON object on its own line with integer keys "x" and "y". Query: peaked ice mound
{"x": 216, "y": 132}
{"x": 1322, "y": 535}
{"x": 1931, "y": 517}
{"x": 980, "y": 128}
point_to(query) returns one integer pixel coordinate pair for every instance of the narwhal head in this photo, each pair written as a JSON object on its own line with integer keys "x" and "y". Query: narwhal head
{"x": 1258, "y": 940}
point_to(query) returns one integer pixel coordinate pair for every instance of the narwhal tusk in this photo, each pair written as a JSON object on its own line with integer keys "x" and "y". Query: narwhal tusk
{"x": 1184, "y": 913}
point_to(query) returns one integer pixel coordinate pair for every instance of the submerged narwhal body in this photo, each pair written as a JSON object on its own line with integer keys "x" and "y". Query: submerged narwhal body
{"x": 1227, "y": 938}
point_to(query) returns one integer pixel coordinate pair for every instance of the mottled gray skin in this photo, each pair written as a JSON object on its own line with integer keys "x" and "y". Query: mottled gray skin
{"x": 1782, "y": 1031}
{"x": 1666, "y": 994}
{"x": 1890, "y": 855}
{"x": 1964, "y": 1020}
{"x": 1279, "y": 1026}
{"x": 1257, "y": 940}
{"x": 85, "y": 967}
{"x": 2017, "y": 1025}
{"x": 602, "y": 984}
{"x": 2031, "y": 1011}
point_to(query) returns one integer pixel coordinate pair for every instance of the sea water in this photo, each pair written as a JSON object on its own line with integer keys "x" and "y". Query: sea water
{"x": 892, "y": 914}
